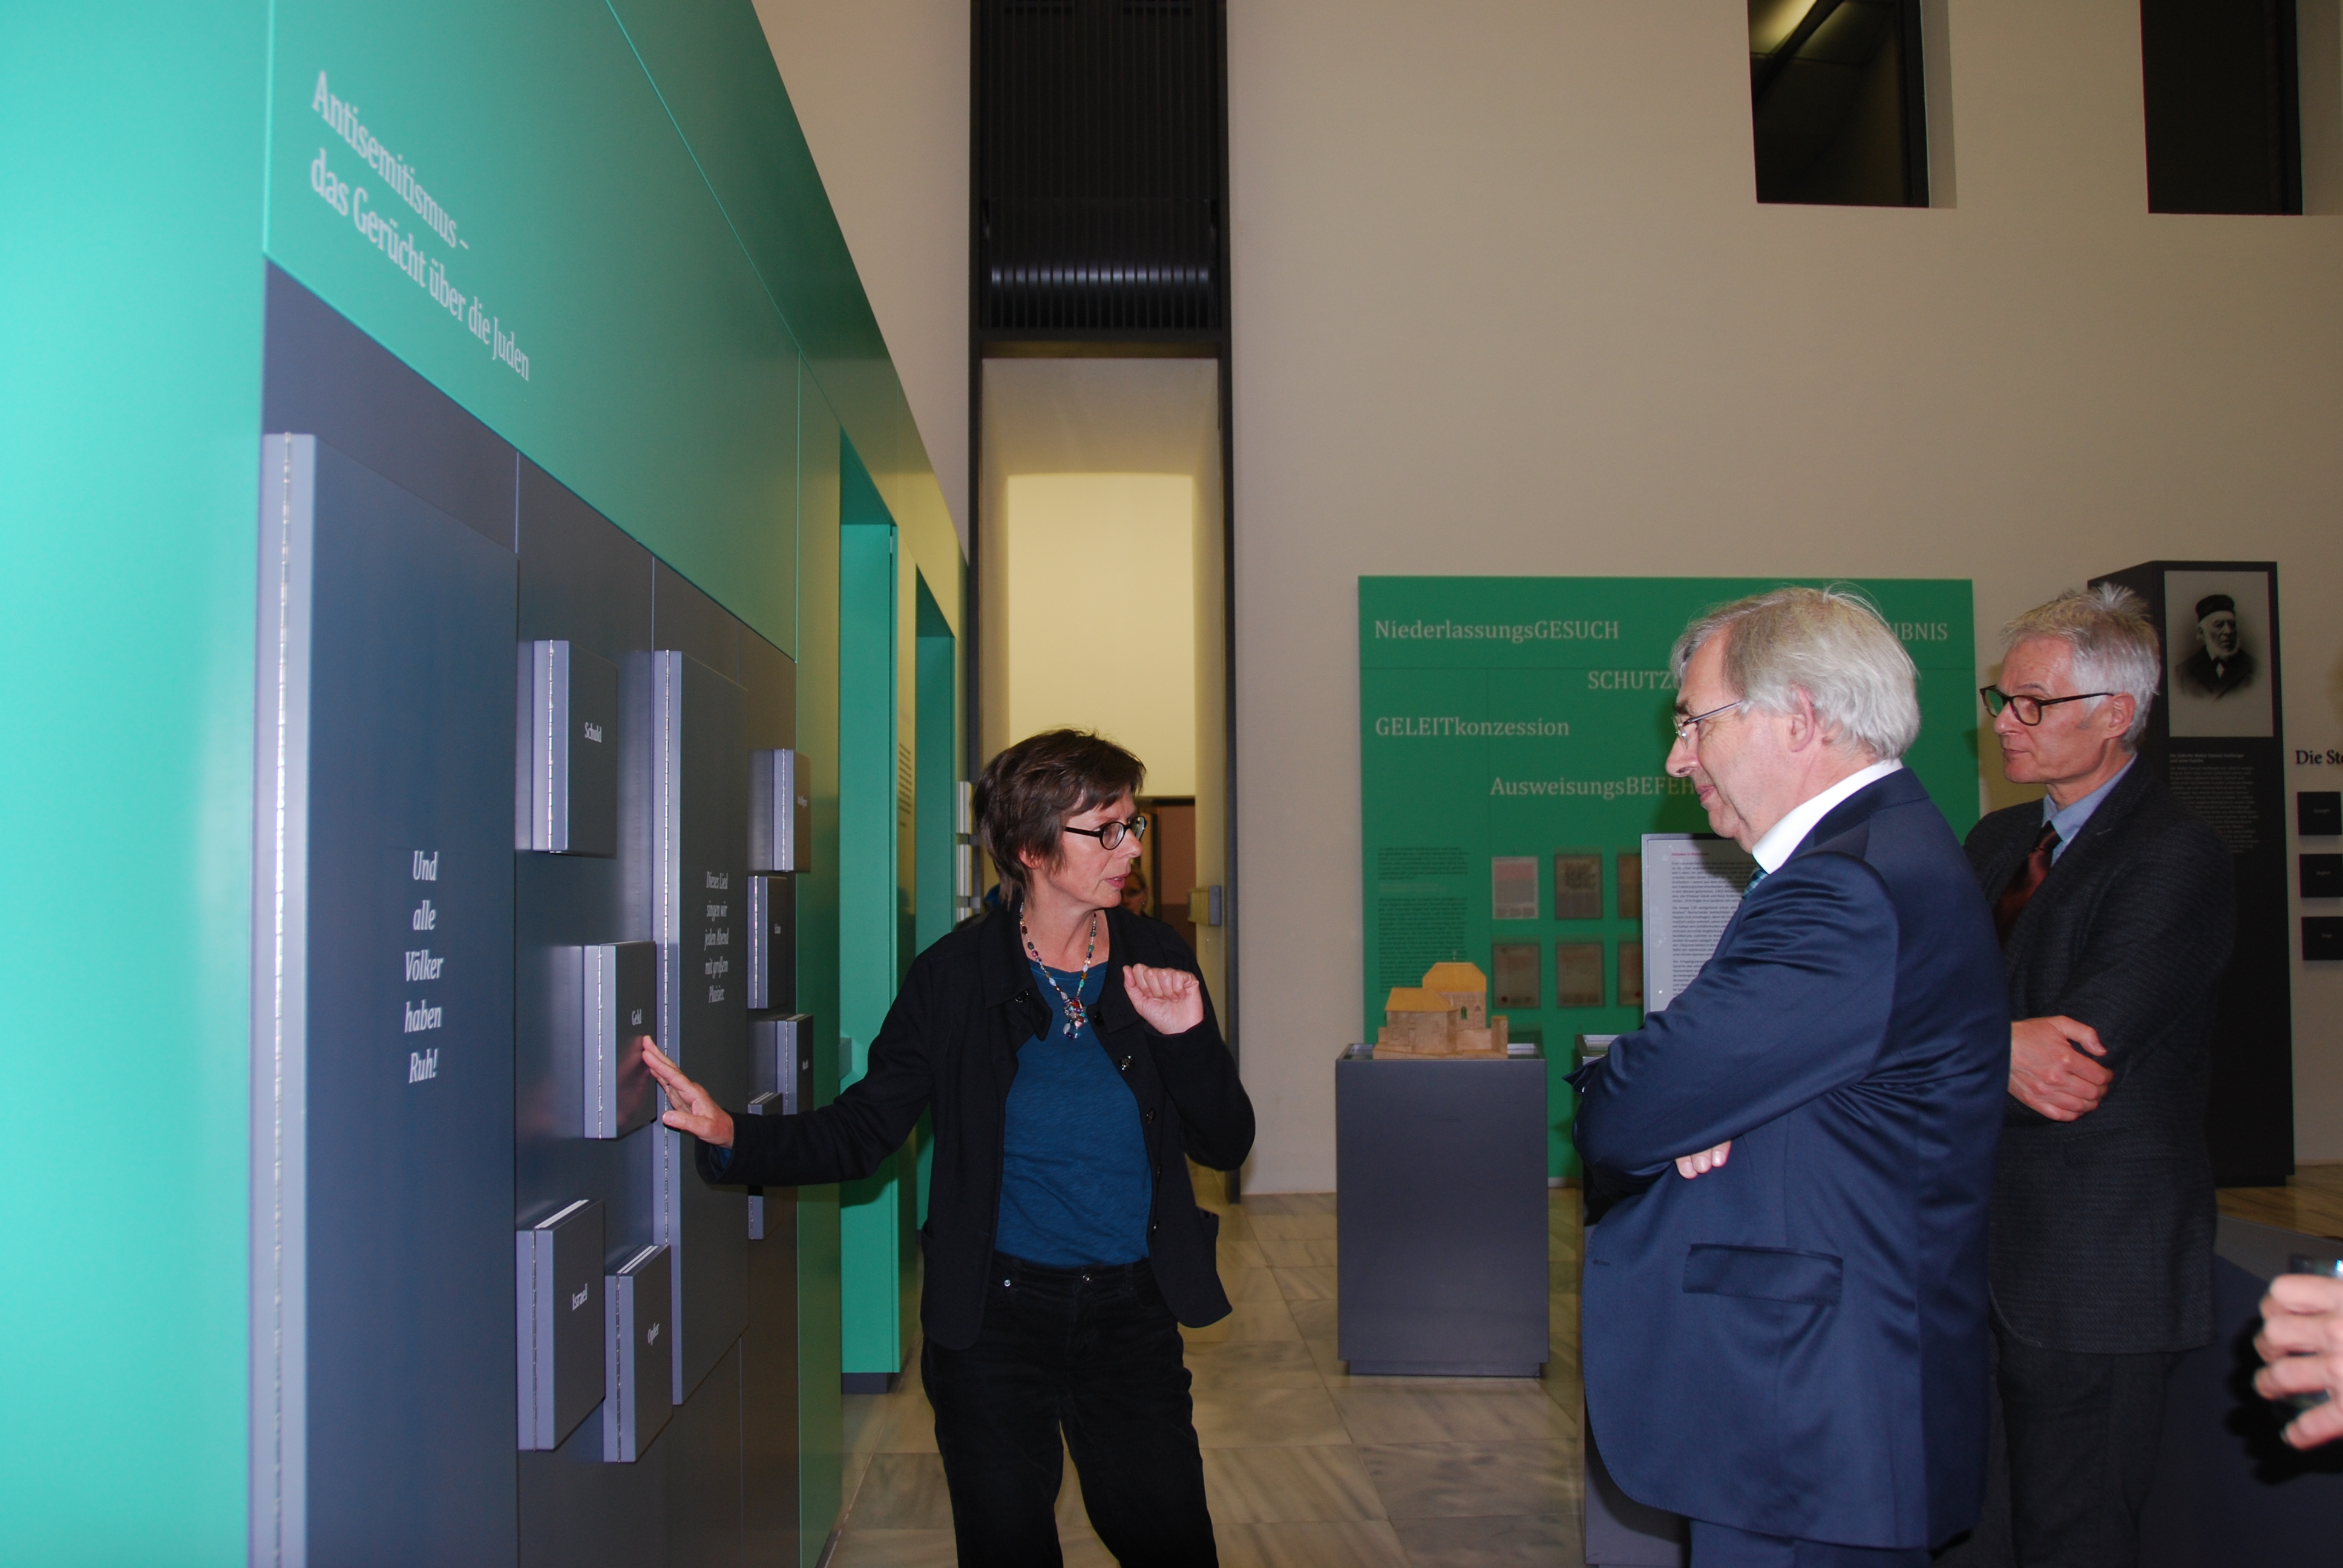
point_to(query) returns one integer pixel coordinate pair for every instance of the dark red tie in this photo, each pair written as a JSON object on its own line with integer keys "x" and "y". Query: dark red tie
{"x": 2021, "y": 889}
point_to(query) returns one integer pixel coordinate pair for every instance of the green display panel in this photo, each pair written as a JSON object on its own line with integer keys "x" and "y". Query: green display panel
{"x": 615, "y": 257}
{"x": 1512, "y": 740}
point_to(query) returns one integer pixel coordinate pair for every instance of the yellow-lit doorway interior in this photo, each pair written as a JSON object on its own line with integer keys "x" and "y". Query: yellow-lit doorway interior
{"x": 1103, "y": 573}
{"x": 1100, "y": 613}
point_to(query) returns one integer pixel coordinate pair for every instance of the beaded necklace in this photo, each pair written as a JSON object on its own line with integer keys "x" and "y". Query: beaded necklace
{"x": 1076, "y": 1014}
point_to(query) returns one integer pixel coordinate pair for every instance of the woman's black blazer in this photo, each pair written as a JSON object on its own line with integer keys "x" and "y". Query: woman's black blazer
{"x": 951, "y": 1042}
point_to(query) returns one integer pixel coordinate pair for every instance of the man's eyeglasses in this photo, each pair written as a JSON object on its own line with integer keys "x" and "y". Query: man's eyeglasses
{"x": 2028, "y": 708}
{"x": 1111, "y": 834}
{"x": 1688, "y": 729}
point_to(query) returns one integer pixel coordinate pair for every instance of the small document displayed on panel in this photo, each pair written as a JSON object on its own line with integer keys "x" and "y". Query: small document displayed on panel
{"x": 1693, "y": 883}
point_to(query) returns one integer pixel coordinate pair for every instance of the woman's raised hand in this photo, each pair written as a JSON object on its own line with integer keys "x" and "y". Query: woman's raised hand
{"x": 695, "y": 1109}
{"x": 1170, "y": 1001}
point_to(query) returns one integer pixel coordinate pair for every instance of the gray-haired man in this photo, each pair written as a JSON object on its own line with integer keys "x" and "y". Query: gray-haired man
{"x": 2115, "y": 912}
{"x": 1786, "y": 1334}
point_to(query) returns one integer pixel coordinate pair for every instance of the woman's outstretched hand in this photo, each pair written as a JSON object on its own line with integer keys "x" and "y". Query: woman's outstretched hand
{"x": 1170, "y": 1001}
{"x": 694, "y": 1110}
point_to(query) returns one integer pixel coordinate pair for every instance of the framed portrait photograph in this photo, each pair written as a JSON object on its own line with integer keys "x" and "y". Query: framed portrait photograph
{"x": 2216, "y": 653}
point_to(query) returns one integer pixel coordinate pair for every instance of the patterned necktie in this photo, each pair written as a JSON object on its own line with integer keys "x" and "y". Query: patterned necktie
{"x": 1756, "y": 877}
{"x": 2020, "y": 891}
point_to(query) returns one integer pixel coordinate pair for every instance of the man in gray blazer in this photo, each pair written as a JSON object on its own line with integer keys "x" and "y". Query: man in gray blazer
{"x": 2114, "y": 911}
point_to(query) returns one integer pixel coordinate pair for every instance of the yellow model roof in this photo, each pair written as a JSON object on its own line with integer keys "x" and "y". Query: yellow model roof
{"x": 1415, "y": 998}
{"x": 1455, "y": 977}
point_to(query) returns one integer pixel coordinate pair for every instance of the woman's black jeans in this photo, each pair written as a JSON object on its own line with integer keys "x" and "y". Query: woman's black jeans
{"x": 1095, "y": 1353}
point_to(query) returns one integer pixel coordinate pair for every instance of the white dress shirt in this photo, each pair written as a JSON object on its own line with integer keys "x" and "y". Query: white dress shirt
{"x": 1783, "y": 838}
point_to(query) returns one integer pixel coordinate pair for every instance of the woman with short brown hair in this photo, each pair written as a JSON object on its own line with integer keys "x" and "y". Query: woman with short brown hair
{"x": 1074, "y": 1063}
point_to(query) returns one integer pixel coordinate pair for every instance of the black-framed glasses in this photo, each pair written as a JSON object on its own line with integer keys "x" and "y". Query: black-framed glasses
{"x": 1110, "y": 835}
{"x": 2028, "y": 708}
{"x": 1688, "y": 729}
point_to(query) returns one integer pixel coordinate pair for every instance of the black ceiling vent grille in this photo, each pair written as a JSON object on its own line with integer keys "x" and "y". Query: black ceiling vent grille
{"x": 1098, "y": 169}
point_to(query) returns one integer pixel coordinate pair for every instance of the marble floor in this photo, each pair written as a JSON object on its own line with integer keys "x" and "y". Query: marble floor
{"x": 1306, "y": 1466}
{"x": 2311, "y": 1201}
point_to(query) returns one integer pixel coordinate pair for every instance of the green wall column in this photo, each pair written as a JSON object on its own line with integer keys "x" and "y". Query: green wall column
{"x": 937, "y": 750}
{"x": 873, "y": 1330}
{"x": 130, "y": 307}
{"x": 821, "y": 1435}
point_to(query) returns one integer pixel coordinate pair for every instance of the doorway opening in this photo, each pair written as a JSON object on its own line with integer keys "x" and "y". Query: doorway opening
{"x": 1104, "y": 570}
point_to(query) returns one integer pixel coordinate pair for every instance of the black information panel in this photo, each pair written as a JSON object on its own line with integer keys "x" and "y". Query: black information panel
{"x": 408, "y": 1028}
{"x": 2214, "y": 734}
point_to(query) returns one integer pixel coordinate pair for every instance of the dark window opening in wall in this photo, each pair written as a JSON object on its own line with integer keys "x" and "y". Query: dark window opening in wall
{"x": 1098, "y": 132}
{"x": 2224, "y": 126}
{"x": 1837, "y": 103}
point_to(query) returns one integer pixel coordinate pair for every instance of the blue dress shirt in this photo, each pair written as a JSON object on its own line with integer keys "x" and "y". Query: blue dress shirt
{"x": 2069, "y": 819}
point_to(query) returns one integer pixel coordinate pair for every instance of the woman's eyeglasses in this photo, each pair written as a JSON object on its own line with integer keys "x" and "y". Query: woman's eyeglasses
{"x": 1111, "y": 834}
{"x": 2028, "y": 708}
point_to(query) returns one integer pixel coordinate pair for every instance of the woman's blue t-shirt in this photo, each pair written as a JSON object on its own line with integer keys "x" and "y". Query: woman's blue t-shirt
{"x": 1075, "y": 1187}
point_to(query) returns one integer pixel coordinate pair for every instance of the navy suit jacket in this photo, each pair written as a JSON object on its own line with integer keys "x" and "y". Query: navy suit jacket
{"x": 1795, "y": 1344}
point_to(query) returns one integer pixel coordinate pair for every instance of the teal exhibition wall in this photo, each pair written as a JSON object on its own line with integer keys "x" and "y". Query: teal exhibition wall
{"x": 598, "y": 228}
{"x": 130, "y": 305}
{"x": 871, "y": 1277}
{"x": 820, "y": 1441}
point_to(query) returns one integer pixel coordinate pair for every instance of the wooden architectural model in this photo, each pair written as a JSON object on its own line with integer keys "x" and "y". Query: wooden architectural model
{"x": 1447, "y": 1015}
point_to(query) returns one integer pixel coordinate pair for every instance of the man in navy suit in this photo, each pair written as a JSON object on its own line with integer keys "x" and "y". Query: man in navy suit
{"x": 1786, "y": 1318}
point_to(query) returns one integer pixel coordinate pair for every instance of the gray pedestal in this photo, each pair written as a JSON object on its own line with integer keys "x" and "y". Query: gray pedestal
{"x": 1443, "y": 1215}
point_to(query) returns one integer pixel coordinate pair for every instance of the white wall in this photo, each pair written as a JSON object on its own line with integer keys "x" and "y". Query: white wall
{"x": 1505, "y": 302}
{"x": 881, "y": 89}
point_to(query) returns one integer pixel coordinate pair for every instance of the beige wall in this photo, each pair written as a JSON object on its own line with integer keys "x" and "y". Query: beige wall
{"x": 881, "y": 89}
{"x": 1504, "y": 303}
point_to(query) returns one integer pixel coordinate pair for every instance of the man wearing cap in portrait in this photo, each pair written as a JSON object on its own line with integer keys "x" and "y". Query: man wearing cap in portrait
{"x": 2219, "y": 666}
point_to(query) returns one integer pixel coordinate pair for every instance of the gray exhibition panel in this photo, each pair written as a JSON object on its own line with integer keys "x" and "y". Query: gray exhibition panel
{"x": 560, "y": 1322}
{"x": 1442, "y": 1222}
{"x": 383, "y": 1099}
{"x": 389, "y": 1368}
{"x": 699, "y": 894}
